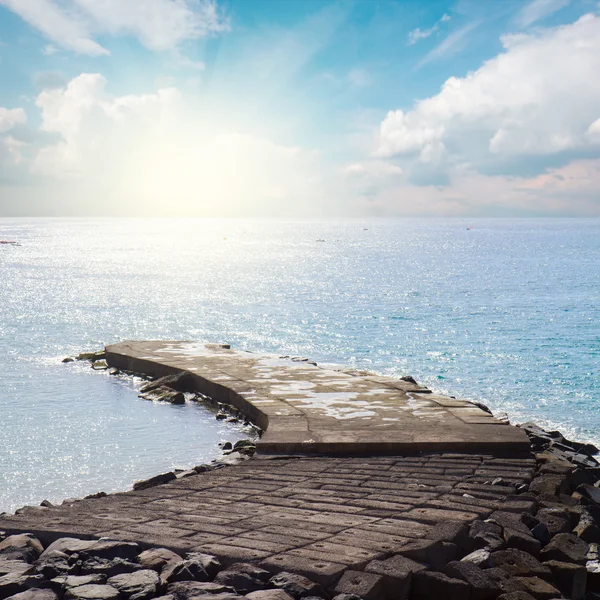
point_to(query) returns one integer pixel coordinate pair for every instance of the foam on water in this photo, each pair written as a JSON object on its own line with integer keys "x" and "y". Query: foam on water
{"x": 506, "y": 313}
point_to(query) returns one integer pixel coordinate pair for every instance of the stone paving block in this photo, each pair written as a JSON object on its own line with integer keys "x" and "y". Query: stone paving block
{"x": 256, "y": 544}
{"x": 399, "y": 527}
{"x": 435, "y": 515}
{"x": 303, "y": 534}
{"x": 323, "y": 572}
{"x": 384, "y": 543}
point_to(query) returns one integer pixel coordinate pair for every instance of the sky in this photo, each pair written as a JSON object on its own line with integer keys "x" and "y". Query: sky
{"x": 300, "y": 108}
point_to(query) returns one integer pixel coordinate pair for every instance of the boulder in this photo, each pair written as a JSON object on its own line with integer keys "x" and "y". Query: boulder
{"x": 54, "y": 564}
{"x": 548, "y": 484}
{"x": 480, "y": 557}
{"x": 296, "y": 585}
{"x": 516, "y": 596}
{"x": 244, "y": 577}
{"x": 69, "y": 581}
{"x": 540, "y": 532}
{"x": 429, "y": 584}
{"x": 152, "y": 481}
{"x": 396, "y": 572}
{"x": 570, "y": 579}
{"x": 67, "y": 546}
{"x": 140, "y": 585}
{"x": 555, "y": 519}
{"x": 15, "y": 566}
{"x": 586, "y": 529}
{"x": 185, "y": 570}
{"x": 92, "y": 592}
{"x": 35, "y": 594}
{"x": 518, "y": 563}
{"x": 211, "y": 564}
{"x": 434, "y": 553}
{"x": 482, "y": 586}
{"x": 23, "y": 546}
{"x": 368, "y": 586}
{"x": 269, "y": 595}
{"x": 566, "y": 547}
{"x": 186, "y": 590}
{"x": 522, "y": 541}
{"x": 182, "y": 382}
{"x": 15, "y": 583}
{"x": 157, "y": 558}
{"x": 486, "y": 534}
{"x": 107, "y": 567}
{"x": 590, "y": 493}
{"x": 538, "y": 588}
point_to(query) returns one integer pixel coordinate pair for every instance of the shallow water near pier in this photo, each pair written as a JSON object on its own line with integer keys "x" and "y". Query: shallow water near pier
{"x": 502, "y": 311}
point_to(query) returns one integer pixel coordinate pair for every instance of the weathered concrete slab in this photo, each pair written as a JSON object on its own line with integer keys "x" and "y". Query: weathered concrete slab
{"x": 307, "y": 409}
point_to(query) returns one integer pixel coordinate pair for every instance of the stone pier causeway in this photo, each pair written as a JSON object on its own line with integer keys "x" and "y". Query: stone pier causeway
{"x": 353, "y": 470}
{"x": 303, "y": 408}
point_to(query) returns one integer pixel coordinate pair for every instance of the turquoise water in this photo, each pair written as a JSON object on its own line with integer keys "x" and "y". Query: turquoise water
{"x": 501, "y": 311}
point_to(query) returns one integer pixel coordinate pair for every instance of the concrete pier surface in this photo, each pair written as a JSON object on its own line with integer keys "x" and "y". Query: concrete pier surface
{"x": 306, "y": 409}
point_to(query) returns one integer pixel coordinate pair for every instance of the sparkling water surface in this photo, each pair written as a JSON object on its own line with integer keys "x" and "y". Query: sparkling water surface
{"x": 503, "y": 311}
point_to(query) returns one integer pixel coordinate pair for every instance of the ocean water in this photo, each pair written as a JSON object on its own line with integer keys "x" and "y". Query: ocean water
{"x": 503, "y": 311}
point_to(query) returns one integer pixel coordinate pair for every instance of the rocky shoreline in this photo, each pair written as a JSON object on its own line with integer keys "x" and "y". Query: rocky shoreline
{"x": 541, "y": 544}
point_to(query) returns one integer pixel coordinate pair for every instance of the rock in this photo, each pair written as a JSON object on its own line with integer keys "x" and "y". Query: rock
{"x": 46, "y": 504}
{"x": 485, "y": 534}
{"x": 435, "y": 553}
{"x": 142, "y": 584}
{"x": 244, "y": 444}
{"x": 221, "y": 416}
{"x": 590, "y": 493}
{"x": 163, "y": 394}
{"x": 509, "y": 520}
{"x": 157, "y": 558}
{"x": 296, "y": 585}
{"x": 368, "y": 586}
{"x": 538, "y": 588}
{"x": 93, "y": 356}
{"x": 67, "y": 546}
{"x": 15, "y": 566}
{"x": 516, "y": 596}
{"x": 35, "y": 594}
{"x": 586, "y": 529}
{"x": 518, "y": 563}
{"x": 548, "y": 484}
{"x": 184, "y": 474}
{"x": 269, "y": 595}
{"x": 540, "y": 532}
{"x": 92, "y": 592}
{"x": 69, "y": 581}
{"x": 570, "y": 579}
{"x": 186, "y": 590}
{"x": 152, "y": 481}
{"x": 409, "y": 379}
{"x": 23, "y": 546}
{"x": 182, "y": 382}
{"x": 522, "y": 541}
{"x": 107, "y": 567}
{"x": 68, "y": 359}
{"x": 244, "y": 577}
{"x": 53, "y": 565}
{"x": 186, "y": 570}
{"x": 211, "y": 564}
{"x": 480, "y": 557}
{"x": 397, "y": 574}
{"x": 566, "y": 547}
{"x": 482, "y": 586}
{"x": 15, "y": 583}
{"x": 428, "y": 584}
{"x": 99, "y": 365}
{"x": 345, "y": 597}
{"x": 555, "y": 519}
{"x": 111, "y": 549}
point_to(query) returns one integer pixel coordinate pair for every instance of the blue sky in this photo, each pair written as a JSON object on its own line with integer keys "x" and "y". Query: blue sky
{"x": 300, "y": 107}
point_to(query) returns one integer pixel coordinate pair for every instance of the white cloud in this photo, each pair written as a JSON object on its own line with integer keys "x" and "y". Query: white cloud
{"x": 10, "y": 147}
{"x": 451, "y": 44}
{"x": 418, "y": 34}
{"x": 156, "y": 154}
{"x": 538, "y": 9}
{"x": 158, "y": 24}
{"x": 539, "y": 97}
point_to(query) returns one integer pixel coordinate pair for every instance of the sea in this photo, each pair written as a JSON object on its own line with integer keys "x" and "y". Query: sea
{"x": 501, "y": 311}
